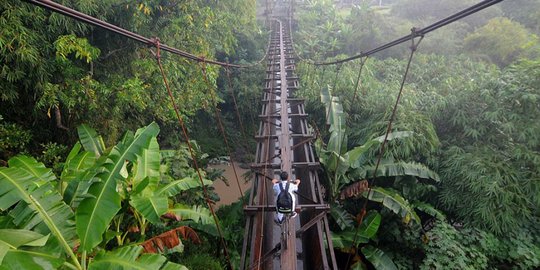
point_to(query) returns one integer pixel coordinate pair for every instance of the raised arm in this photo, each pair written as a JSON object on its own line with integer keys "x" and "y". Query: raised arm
{"x": 297, "y": 182}
{"x": 275, "y": 181}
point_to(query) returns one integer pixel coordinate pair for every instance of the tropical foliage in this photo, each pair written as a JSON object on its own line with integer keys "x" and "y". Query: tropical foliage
{"x": 74, "y": 219}
{"x": 457, "y": 186}
{"x": 473, "y": 123}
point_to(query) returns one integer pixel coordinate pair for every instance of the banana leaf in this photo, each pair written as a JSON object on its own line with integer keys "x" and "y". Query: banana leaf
{"x": 39, "y": 208}
{"x": 175, "y": 187}
{"x": 388, "y": 169}
{"x": 78, "y": 173}
{"x": 378, "y": 258}
{"x": 33, "y": 167}
{"x": 151, "y": 207}
{"x": 95, "y": 213}
{"x": 90, "y": 140}
{"x": 195, "y": 213}
{"x": 367, "y": 230}
{"x": 30, "y": 259}
{"x": 12, "y": 239}
{"x": 393, "y": 201}
{"x": 130, "y": 258}
{"x": 341, "y": 217}
{"x": 148, "y": 165}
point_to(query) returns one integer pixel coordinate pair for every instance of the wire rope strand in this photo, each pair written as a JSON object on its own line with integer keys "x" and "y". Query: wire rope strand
{"x": 381, "y": 151}
{"x": 418, "y": 32}
{"x": 237, "y": 110}
{"x": 191, "y": 152}
{"x": 357, "y": 84}
{"x": 221, "y": 128}
{"x": 59, "y": 8}
{"x": 338, "y": 69}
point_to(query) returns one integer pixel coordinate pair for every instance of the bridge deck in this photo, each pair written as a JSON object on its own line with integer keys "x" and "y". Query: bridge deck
{"x": 284, "y": 144}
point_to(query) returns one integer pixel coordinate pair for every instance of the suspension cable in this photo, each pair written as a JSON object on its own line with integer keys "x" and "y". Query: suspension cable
{"x": 221, "y": 128}
{"x": 417, "y": 32}
{"x": 191, "y": 152}
{"x": 323, "y": 73}
{"x": 357, "y": 84}
{"x": 413, "y": 48}
{"x": 237, "y": 110}
{"x": 338, "y": 69}
{"x": 50, "y": 5}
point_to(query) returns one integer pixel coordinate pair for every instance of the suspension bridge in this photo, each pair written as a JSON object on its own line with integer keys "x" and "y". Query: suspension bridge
{"x": 284, "y": 143}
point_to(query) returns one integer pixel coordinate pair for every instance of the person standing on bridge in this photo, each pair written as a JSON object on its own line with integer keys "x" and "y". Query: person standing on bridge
{"x": 286, "y": 202}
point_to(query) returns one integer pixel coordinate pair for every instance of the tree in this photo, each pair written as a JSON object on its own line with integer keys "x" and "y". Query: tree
{"x": 502, "y": 41}
{"x": 59, "y": 73}
{"x": 490, "y": 170}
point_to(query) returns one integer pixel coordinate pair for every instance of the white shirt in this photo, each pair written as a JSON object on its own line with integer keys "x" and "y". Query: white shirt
{"x": 292, "y": 188}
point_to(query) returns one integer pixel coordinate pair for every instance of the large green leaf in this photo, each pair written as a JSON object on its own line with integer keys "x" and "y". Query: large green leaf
{"x": 389, "y": 168}
{"x": 78, "y": 172}
{"x": 342, "y": 217}
{"x": 151, "y": 207}
{"x": 32, "y": 166}
{"x": 148, "y": 166}
{"x": 130, "y": 258}
{"x": 325, "y": 95}
{"x": 370, "y": 225}
{"x": 367, "y": 230}
{"x": 12, "y": 239}
{"x": 344, "y": 239}
{"x": 337, "y": 116}
{"x": 30, "y": 259}
{"x": 183, "y": 184}
{"x": 338, "y": 138}
{"x": 195, "y": 213}
{"x": 76, "y": 165}
{"x": 357, "y": 156}
{"x": 339, "y": 164}
{"x": 37, "y": 208}
{"x": 430, "y": 210}
{"x": 95, "y": 213}
{"x": 378, "y": 258}
{"x": 90, "y": 140}
{"x": 393, "y": 201}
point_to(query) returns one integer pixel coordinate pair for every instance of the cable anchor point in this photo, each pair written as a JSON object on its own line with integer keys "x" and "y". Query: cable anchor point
{"x": 156, "y": 43}
{"x": 416, "y": 32}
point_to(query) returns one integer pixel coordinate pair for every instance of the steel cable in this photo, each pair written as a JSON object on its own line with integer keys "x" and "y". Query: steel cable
{"x": 413, "y": 48}
{"x": 416, "y": 32}
{"x": 191, "y": 152}
{"x": 222, "y": 129}
{"x": 50, "y": 5}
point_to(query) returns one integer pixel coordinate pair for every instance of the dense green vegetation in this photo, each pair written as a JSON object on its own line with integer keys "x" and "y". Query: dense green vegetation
{"x": 113, "y": 198}
{"x": 469, "y": 113}
{"x": 457, "y": 187}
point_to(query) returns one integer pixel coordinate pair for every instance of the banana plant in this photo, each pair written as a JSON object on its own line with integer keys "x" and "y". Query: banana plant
{"x": 132, "y": 257}
{"x": 352, "y": 240}
{"x": 49, "y": 222}
{"x": 345, "y": 167}
{"x": 347, "y": 171}
{"x": 144, "y": 187}
{"x": 96, "y": 211}
{"x": 32, "y": 203}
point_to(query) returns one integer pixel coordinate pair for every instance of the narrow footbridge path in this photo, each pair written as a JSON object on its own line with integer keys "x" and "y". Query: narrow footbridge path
{"x": 284, "y": 143}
